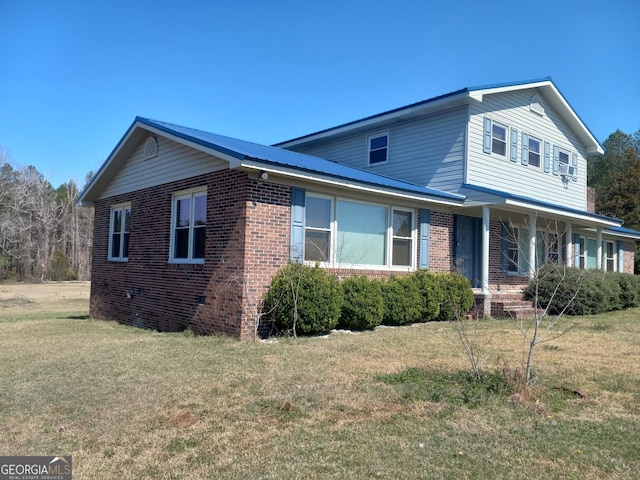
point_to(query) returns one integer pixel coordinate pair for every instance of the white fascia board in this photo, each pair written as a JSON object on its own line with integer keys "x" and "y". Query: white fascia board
{"x": 327, "y": 180}
{"x": 559, "y": 213}
{"x": 478, "y": 94}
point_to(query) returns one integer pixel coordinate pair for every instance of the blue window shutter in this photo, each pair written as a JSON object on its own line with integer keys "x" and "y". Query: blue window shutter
{"x": 576, "y": 250}
{"x": 556, "y": 159}
{"x": 296, "y": 251}
{"x": 525, "y": 149}
{"x": 514, "y": 145}
{"x": 574, "y": 162}
{"x": 620, "y": 256}
{"x": 547, "y": 157}
{"x": 505, "y": 247}
{"x": 425, "y": 232}
{"x": 488, "y": 125}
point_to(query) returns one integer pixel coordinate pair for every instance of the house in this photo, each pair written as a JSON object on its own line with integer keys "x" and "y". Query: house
{"x": 190, "y": 226}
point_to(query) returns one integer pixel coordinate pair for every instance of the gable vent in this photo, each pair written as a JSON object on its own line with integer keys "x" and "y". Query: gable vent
{"x": 535, "y": 105}
{"x": 150, "y": 148}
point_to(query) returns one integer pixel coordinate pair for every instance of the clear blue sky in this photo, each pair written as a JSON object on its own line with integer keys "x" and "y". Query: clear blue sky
{"x": 75, "y": 73}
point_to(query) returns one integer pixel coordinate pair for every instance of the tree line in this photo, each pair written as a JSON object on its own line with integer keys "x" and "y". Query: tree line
{"x": 44, "y": 234}
{"x": 615, "y": 176}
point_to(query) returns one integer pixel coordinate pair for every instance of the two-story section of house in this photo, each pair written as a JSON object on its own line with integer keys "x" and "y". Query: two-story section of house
{"x": 518, "y": 153}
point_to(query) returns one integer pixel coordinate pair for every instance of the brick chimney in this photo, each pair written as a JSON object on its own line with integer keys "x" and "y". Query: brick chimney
{"x": 591, "y": 200}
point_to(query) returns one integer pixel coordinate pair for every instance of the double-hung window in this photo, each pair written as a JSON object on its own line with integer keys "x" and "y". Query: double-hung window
{"x": 534, "y": 152}
{"x": 512, "y": 241}
{"x": 317, "y": 234}
{"x": 119, "y": 225}
{"x": 378, "y": 148}
{"x": 499, "y": 139}
{"x": 188, "y": 227}
{"x": 346, "y": 233}
{"x": 610, "y": 257}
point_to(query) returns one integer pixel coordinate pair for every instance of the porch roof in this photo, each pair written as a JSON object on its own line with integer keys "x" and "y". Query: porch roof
{"x": 482, "y": 196}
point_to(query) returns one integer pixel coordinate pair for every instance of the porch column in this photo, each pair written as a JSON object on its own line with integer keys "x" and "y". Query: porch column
{"x": 599, "y": 249}
{"x": 486, "y": 223}
{"x": 532, "y": 244}
{"x": 569, "y": 259}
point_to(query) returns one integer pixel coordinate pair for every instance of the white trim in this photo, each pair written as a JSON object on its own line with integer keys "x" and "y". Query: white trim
{"x": 292, "y": 173}
{"x": 374, "y": 136}
{"x": 191, "y": 193}
{"x": 123, "y": 207}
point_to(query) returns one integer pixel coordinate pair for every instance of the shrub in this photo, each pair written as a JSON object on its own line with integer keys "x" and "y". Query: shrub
{"x": 583, "y": 292}
{"x": 308, "y": 292}
{"x": 362, "y": 306}
{"x": 431, "y": 293}
{"x": 457, "y": 296}
{"x": 402, "y": 302}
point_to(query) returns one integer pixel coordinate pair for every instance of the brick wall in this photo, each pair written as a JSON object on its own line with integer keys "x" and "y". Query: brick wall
{"x": 628, "y": 257}
{"x": 441, "y": 242}
{"x": 150, "y": 292}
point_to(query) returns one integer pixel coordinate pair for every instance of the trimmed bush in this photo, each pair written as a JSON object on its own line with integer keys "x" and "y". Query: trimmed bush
{"x": 457, "y": 296}
{"x": 583, "y": 292}
{"x": 311, "y": 293}
{"x": 362, "y": 306}
{"x": 431, "y": 294}
{"x": 402, "y": 302}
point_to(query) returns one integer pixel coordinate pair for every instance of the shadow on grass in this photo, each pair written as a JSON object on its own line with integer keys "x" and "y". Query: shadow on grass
{"x": 76, "y": 317}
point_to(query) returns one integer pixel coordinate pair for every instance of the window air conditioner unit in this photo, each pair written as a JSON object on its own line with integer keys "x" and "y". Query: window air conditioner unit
{"x": 566, "y": 170}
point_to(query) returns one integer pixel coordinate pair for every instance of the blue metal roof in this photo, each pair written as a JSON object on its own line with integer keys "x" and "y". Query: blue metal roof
{"x": 534, "y": 202}
{"x": 244, "y": 150}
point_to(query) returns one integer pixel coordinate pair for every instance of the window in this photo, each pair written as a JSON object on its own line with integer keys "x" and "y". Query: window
{"x": 609, "y": 257}
{"x": 188, "y": 227}
{"x": 563, "y": 156}
{"x": 119, "y": 224}
{"x": 346, "y": 233}
{"x": 362, "y": 234}
{"x": 534, "y": 152}
{"x": 317, "y": 231}
{"x": 499, "y": 139}
{"x": 513, "y": 249}
{"x": 378, "y": 148}
{"x": 582, "y": 263}
{"x": 402, "y": 238}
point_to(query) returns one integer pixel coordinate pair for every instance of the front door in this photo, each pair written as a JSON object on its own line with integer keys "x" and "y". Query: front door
{"x": 467, "y": 247}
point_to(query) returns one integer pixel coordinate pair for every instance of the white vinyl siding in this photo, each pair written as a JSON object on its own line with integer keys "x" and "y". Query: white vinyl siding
{"x": 512, "y": 109}
{"x": 426, "y": 151}
{"x": 173, "y": 162}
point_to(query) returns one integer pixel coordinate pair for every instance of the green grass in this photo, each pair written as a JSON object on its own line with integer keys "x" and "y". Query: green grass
{"x": 128, "y": 403}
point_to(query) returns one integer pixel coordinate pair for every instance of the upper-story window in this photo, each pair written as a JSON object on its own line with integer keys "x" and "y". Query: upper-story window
{"x": 534, "y": 152}
{"x": 378, "y": 149}
{"x": 499, "y": 139}
{"x": 188, "y": 227}
{"x": 120, "y": 221}
{"x": 563, "y": 156}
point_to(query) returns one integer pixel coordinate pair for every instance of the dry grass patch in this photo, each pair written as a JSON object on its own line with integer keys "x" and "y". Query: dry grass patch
{"x": 128, "y": 403}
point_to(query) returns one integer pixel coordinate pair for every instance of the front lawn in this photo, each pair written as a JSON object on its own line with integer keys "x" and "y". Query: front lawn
{"x": 128, "y": 403}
